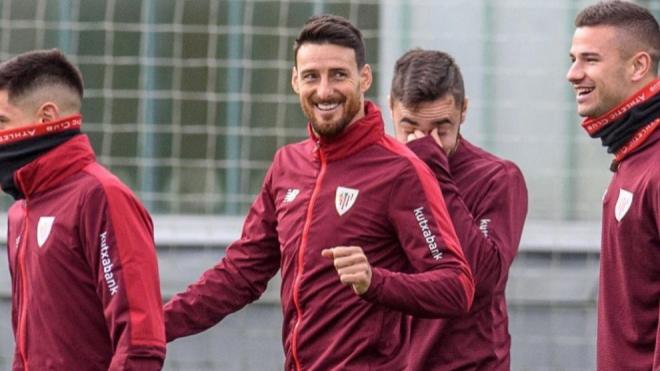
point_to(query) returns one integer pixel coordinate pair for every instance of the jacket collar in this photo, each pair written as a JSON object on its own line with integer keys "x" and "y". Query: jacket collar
{"x": 357, "y": 136}
{"x": 652, "y": 140}
{"x": 463, "y": 148}
{"x": 55, "y": 166}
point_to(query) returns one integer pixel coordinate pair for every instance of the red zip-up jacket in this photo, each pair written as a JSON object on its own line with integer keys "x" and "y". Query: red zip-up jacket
{"x": 628, "y": 336}
{"x": 362, "y": 188}
{"x": 487, "y": 199}
{"x": 85, "y": 287}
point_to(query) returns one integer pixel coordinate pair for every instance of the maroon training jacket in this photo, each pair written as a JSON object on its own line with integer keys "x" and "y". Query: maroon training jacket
{"x": 629, "y": 289}
{"x": 487, "y": 199}
{"x": 362, "y": 188}
{"x": 85, "y": 287}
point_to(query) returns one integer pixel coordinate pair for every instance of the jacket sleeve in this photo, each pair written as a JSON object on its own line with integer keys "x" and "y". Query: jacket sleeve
{"x": 117, "y": 237}
{"x": 237, "y": 280}
{"x": 441, "y": 283}
{"x": 655, "y": 212}
{"x": 491, "y": 232}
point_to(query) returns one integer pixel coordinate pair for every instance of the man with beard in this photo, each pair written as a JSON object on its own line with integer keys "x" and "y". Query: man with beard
{"x": 354, "y": 221}
{"x": 486, "y": 198}
{"x": 85, "y": 288}
{"x": 614, "y": 72}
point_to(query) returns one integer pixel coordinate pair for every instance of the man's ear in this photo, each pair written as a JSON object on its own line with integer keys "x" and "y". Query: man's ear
{"x": 294, "y": 80}
{"x": 48, "y": 111}
{"x": 641, "y": 65}
{"x": 390, "y": 104}
{"x": 464, "y": 109}
{"x": 366, "y": 78}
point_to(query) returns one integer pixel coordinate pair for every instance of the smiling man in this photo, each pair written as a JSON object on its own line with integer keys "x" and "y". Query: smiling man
{"x": 331, "y": 94}
{"x": 614, "y": 72}
{"x": 352, "y": 219}
{"x": 487, "y": 200}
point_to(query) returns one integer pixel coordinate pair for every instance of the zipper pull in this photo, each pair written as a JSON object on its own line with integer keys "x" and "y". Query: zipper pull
{"x": 317, "y": 148}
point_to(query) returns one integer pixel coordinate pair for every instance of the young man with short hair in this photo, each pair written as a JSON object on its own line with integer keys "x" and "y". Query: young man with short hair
{"x": 486, "y": 198}
{"x": 614, "y": 72}
{"x": 85, "y": 286}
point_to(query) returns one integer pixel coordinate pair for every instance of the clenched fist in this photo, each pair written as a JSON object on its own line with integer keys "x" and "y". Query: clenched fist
{"x": 351, "y": 265}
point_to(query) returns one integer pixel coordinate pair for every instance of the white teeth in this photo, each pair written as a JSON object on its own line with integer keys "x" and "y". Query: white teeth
{"x": 327, "y": 106}
{"x": 582, "y": 91}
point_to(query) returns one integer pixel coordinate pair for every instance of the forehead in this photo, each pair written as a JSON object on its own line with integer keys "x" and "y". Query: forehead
{"x": 440, "y": 107}
{"x": 595, "y": 39}
{"x": 325, "y": 56}
{"x": 4, "y": 97}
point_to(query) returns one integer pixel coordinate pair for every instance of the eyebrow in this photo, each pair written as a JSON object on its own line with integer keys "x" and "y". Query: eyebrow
{"x": 409, "y": 121}
{"x": 308, "y": 70}
{"x": 585, "y": 54}
{"x": 441, "y": 121}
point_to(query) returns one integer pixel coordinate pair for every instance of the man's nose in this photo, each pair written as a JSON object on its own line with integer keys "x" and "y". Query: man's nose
{"x": 324, "y": 89}
{"x": 574, "y": 73}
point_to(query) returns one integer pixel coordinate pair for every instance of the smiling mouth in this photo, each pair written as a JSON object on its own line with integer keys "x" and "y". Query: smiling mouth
{"x": 326, "y": 106}
{"x": 582, "y": 91}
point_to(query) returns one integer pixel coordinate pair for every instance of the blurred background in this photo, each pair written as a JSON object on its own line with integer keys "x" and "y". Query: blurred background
{"x": 187, "y": 101}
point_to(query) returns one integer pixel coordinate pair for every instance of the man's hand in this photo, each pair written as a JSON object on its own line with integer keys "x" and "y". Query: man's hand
{"x": 352, "y": 266}
{"x": 445, "y": 142}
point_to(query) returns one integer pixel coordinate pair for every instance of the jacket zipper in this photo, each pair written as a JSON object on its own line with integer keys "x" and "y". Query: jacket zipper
{"x": 21, "y": 337}
{"x": 301, "y": 254}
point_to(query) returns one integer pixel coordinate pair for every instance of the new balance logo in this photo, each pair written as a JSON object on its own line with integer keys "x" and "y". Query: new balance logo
{"x": 291, "y": 195}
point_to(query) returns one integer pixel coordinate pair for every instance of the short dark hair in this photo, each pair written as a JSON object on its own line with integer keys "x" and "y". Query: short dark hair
{"x": 331, "y": 29}
{"x": 633, "y": 19}
{"x": 27, "y": 72}
{"x": 424, "y": 76}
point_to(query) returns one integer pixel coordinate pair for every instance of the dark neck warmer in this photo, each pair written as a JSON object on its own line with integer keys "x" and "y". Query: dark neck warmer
{"x": 20, "y": 146}
{"x": 627, "y": 126}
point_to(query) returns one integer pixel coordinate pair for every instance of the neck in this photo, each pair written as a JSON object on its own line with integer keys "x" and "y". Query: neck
{"x": 20, "y": 146}
{"x": 624, "y": 128}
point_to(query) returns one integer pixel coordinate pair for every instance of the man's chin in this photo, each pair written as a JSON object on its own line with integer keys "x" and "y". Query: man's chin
{"x": 328, "y": 130}
{"x": 588, "y": 111}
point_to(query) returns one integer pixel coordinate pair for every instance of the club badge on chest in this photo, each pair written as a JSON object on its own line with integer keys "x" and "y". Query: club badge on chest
{"x": 622, "y": 204}
{"x": 44, "y": 226}
{"x": 345, "y": 199}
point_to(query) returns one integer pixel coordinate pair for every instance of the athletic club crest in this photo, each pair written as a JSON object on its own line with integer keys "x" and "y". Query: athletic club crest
{"x": 43, "y": 229}
{"x": 344, "y": 199}
{"x": 622, "y": 204}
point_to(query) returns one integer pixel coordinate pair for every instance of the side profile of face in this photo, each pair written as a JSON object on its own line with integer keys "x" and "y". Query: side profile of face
{"x": 442, "y": 115}
{"x": 13, "y": 116}
{"x": 29, "y": 111}
{"x": 330, "y": 86}
{"x": 599, "y": 73}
